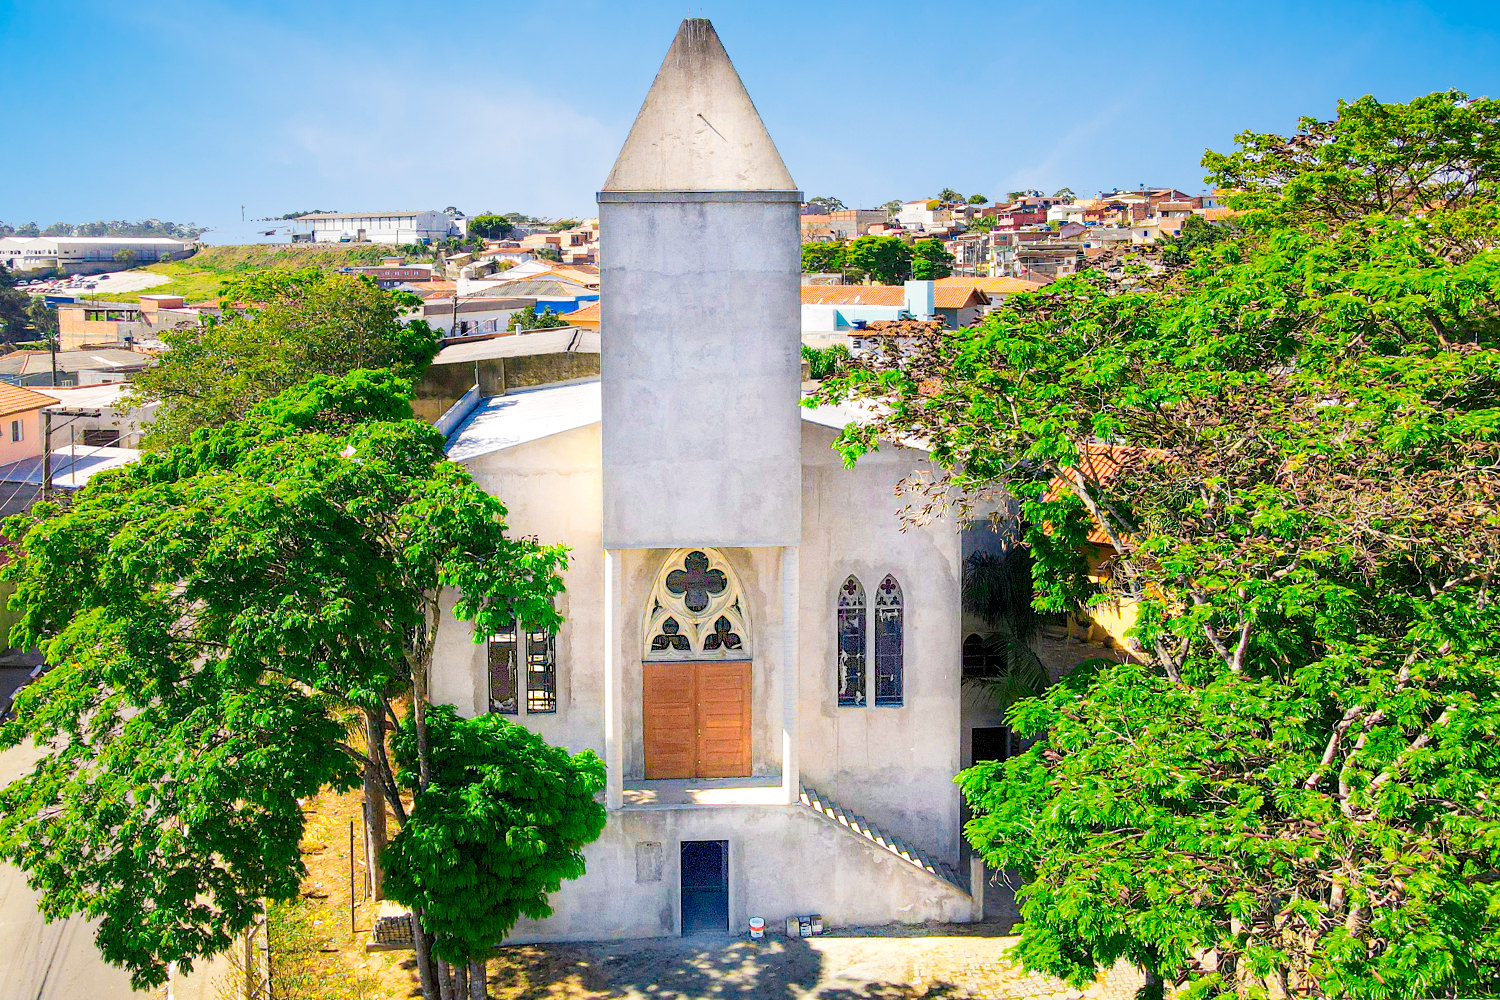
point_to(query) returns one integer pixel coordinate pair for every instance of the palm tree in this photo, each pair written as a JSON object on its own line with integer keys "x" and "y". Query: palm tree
{"x": 997, "y": 589}
{"x": 948, "y": 196}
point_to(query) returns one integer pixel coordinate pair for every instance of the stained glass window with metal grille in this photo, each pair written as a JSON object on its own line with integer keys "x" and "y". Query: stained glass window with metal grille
{"x": 851, "y": 643}
{"x": 504, "y": 691}
{"x": 541, "y": 672}
{"x": 888, "y": 646}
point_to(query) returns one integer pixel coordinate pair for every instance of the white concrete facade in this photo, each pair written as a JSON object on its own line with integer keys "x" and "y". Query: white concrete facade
{"x": 693, "y": 451}
{"x": 397, "y": 228}
{"x": 86, "y": 254}
{"x": 892, "y": 765}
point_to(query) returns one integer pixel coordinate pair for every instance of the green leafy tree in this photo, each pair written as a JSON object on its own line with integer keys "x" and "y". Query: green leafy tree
{"x": 15, "y": 305}
{"x": 500, "y": 824}
{"x": 978, "y": 199}
{"x": 825, "y": 258}
{"x": 823, "y": 361}
{"x": 562, "y": 224}
{"x": 41, "y": 319}
{"x": 1066, "y": 194}
{"x": 886, "y": 259}
{"x": 929, "y": 260}
{"x": 219, "y": 617}
{"x": 1196, "y": 234}
{"x": 549, "y": 253}
{"x": 826, "y": 205}
{"x": 1289, "y": 444}
{"x": 948, "y": 196}
{"x": 127, "y": 258}
{"x": 491, "y": 227}
{"x": 279, "y": 328}
{"x": 892, "y": 207}
{"x": 29, "y": 229}
{"x": 529, "y": 319}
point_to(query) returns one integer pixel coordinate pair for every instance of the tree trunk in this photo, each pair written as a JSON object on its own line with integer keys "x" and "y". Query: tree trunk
{"x": 461, "y": 982}
{"x": 445, "y": 980}
{"x": 478, "y": 980}
{"x": 375, "y": 832}
{"x": 422, "y": 945}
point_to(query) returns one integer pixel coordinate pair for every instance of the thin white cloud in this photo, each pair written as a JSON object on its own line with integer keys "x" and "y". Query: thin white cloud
{"x": 515, "y": 150}
{"x": 1060, "y": 160}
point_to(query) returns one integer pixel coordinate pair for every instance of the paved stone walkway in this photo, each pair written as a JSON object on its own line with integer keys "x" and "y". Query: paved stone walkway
{"x": 876, "y": 964}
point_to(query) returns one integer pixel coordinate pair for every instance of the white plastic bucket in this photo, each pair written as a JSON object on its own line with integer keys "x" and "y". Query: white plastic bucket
{"x": 757, "y": 928}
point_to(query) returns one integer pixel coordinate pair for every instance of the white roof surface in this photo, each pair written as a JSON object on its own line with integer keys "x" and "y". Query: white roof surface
{"x": 557, "y": 340}
{"x": 71, "y": 468}
{"x": 502, "y": 422}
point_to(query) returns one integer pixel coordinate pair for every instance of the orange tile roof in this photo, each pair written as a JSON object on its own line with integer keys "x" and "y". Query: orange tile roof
{"x": 992, "y": 286}
{"x": 14, "y": 399}
{"x": 1100, "y": 464}
{"x": 947, "y": 296}
{"x": 584, "y": 316}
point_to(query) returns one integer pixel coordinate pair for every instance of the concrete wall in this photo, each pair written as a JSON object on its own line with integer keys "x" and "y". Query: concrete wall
{"x": 700, "y": 368}
{"x": 894, "y": 765}
{"x": 783, "y": 861}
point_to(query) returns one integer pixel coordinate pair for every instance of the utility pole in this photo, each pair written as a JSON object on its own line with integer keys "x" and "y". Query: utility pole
{"x": 46, "y": 454}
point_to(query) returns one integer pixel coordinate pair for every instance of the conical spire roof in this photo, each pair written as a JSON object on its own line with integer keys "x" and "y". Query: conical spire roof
{"x": 698, "y": 130}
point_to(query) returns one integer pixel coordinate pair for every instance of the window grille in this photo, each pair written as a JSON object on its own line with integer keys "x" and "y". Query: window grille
{"x": 541, "y": 672}
{"x": 504, "y": 690}
{"x": 851, "y": 643}
{"x": 889, "y": 626}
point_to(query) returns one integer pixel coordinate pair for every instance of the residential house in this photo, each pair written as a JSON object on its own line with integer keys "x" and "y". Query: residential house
{"x": 839, "y": 309}
{"x": 99, "y": 366}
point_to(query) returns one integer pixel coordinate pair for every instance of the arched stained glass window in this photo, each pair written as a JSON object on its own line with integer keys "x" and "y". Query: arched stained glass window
{"x": 697, "y": 610}
{"x": 889, "y": 629}
{"x": 851, "y": 643}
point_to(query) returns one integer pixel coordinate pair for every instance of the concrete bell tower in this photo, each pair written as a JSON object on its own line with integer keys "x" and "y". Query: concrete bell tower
{"x": 701, "y": 363}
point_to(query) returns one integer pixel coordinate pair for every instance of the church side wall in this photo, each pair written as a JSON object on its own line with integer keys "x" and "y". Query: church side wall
{"x": 893, "y": 765}
{"x": 551, "y": 489}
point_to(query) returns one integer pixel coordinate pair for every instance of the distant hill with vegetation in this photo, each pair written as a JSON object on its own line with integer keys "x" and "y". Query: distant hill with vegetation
{"x": 197, "y": 278}
{"x": 105, "y": 227}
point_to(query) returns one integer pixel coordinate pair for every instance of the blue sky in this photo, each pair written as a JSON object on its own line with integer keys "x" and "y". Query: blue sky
{"x": 188, "y": 110}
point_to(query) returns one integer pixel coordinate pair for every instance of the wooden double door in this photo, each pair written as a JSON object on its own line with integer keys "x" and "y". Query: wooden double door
{"x": 696, "y": 719}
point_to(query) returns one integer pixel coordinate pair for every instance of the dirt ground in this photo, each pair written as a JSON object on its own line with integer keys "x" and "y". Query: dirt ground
{"x": 956, "y": 961}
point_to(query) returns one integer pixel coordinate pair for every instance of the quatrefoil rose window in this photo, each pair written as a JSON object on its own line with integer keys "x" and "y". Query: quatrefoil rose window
{"x": 696, "y": 610}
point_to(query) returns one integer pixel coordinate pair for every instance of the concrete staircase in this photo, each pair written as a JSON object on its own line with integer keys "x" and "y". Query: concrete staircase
{"x": 861, "y": 827}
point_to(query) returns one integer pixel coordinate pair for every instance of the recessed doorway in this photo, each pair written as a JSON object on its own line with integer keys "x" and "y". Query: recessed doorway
{"x": 705, "y": 887}
{"x": 696, "y": 720}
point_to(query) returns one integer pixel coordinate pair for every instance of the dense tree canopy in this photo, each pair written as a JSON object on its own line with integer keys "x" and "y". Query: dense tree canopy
{"x": 279, "y": 328}
{"x": 1289, "y": 437}
{"x": 930, "y": 261}
{"x": 218, "y": 616}
{"x": 885, "y": 259}
{"x": 501, "y": 824}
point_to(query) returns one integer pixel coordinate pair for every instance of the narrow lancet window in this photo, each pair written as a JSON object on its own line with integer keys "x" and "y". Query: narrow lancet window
{"x": 851, "y": 643}
{"x": 889, "y": 626}
{"x": 504, "y": 689}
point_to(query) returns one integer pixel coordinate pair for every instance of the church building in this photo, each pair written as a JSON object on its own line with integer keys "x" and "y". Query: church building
{"x": 769, "y": 666}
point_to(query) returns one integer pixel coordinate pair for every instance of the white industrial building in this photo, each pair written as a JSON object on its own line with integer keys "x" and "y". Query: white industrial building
{"x": 86, "y": 254}
{"x": 375, "y": 227}
{"x": 768, "y": 664}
